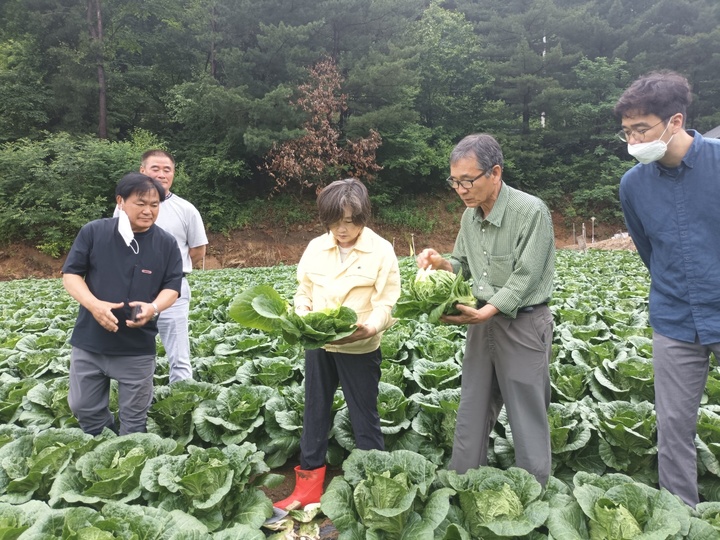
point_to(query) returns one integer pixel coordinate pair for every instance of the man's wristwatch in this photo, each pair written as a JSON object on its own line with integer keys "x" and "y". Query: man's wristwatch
{"x": 157, "y": 311}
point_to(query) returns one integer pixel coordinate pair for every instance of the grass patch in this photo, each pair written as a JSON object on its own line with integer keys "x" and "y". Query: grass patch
{"x": 422, "y": 215}
{"x": 408, "y": 215}
{"x": 282, "y": 210}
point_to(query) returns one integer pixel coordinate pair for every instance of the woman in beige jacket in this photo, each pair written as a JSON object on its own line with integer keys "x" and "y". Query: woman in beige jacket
{"x": 349, "y": 265}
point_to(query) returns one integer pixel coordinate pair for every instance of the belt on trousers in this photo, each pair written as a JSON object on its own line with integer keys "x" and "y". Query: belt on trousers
{"x": 525, "y": 309}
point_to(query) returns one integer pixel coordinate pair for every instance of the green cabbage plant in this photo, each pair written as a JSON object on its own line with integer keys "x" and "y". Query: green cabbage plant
{"x": 16, "y": 519}
{"x": 387, "y": 495}
{"x": 628, "y": 439}
{"x": 219, "y": 487}
{"x": 280, "y": 438}
{"x": 618, "y": 508}
{"x": 396, "y": 412}
{"x": 628, "y": 378}
{"x": 171, "y": 414}
{"x": 46, "y": 405}
{"x": 433, "y": 293}
{"x": 233, "y": 415}
{"x": 30, "y": 464}
{"x": 115, "y": 521}
{"x": 261, "y": 307}
{"x": 492, "y": 503}
{"x": 437, "y": 417}
{"x": 569, "y": 382}
{"x": 111, "y": 471}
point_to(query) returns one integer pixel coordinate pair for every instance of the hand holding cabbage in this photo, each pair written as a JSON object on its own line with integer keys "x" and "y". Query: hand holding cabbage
{"x": 435, "y": 293}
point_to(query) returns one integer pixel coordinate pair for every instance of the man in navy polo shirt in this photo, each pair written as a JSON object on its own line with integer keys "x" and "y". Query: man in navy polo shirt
{"x": 123, "y": 271}
{"x": 670, "y": 202}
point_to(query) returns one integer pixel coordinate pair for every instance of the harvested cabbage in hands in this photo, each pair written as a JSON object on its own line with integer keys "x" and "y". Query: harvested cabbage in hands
{"x": 262, "y": 308}
{"x": 435, "y": 293}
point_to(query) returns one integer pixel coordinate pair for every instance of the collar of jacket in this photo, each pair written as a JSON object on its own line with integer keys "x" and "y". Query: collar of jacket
{"x": 364, "y": 242}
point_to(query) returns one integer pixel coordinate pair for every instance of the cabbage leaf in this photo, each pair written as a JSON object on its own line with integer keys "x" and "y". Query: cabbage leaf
{"x": 261, "y": 307}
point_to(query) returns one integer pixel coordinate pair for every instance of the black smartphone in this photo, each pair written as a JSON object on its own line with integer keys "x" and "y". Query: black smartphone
{"x": 135, "y": 313}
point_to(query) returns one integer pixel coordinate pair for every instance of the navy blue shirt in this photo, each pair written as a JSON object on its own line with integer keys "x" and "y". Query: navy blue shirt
{"x": 114, "y": 273}
{"x": 673, "y": 216}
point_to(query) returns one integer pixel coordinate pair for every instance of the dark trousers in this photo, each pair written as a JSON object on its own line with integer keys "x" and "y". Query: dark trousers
{"x": 89, "y": 394}
{"x": 359, "y": 375}
{"x": 506, "y": 361}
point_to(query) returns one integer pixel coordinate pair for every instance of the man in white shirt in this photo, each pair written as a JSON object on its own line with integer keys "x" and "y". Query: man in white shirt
{"x": 181, "y": 219}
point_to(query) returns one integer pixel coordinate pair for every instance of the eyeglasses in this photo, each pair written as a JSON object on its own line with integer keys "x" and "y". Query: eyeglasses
{"x": 625, "y": 134}
{"x": 467, "y": 184}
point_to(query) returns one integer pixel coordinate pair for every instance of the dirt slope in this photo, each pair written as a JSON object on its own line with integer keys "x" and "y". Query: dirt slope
{"x": 267, "y": 245}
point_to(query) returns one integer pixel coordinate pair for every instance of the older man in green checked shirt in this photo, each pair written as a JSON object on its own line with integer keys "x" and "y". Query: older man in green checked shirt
{"x": 506, "y": 245}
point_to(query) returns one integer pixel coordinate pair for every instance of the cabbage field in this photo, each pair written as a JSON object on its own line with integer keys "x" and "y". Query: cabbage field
{"x": 213, "y": 443}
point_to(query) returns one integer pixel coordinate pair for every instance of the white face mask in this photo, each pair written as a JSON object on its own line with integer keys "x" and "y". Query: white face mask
{"x": 650, "y": 151}
{"x": 125, "y": 230}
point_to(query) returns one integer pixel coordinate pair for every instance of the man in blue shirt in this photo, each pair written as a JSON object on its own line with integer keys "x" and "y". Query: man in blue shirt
{"x": 670, "y": 201}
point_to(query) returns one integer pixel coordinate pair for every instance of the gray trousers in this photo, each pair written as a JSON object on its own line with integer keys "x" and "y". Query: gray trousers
{"x": 89, "y": 395}
{"x": 173, "y": 329}
{"x": 359, "y": 376}
{"x": 506, "y": 361}
{"x": 681, "y": 372}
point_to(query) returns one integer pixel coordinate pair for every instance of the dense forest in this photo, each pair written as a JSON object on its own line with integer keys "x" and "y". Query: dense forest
{"x": 275, "y": 98}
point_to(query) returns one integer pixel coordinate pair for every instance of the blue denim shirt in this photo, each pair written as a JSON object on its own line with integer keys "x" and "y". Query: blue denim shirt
{"x": 673, "y": 216}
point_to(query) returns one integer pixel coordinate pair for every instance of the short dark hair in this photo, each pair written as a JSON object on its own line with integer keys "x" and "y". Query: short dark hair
{"x": 157, "y": 152}
{"x": 483, "y": 147}
{"x": 662, "y": 93}
{"x": 349, "y": 193}
{"x": 138, "y": 183}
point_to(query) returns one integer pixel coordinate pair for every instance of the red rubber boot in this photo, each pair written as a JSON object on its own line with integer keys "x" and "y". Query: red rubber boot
{"x": 308, "y": 489}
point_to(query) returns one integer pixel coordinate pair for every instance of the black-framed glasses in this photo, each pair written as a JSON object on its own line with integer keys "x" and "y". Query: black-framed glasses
{"x": 467, "y": 184}
{"x": 626, "y": 134}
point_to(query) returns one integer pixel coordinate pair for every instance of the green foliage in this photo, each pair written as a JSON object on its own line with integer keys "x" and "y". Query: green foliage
{"x": 452, "y": 78}
{"x": 215, "y": 184}
{"x": 50, "y": 188}
{"x": 414, "y": 159}
{"x": 217, "y": 81}
{"x": 407, "y": 215}
{"x": 23, "y": 98}
{"x": 287, "y": 209}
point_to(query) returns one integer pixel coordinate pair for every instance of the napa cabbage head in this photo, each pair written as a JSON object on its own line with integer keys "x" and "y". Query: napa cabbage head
{"x": 428, "y": 282}
{"x": 435, "y": 293}
{"x": 496, "y": 503}
{"x": 388, "y": 494}
{"x": 616, "y": 507}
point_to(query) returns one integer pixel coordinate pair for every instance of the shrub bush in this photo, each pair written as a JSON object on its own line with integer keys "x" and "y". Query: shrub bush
{"x": 49, "y": 188}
